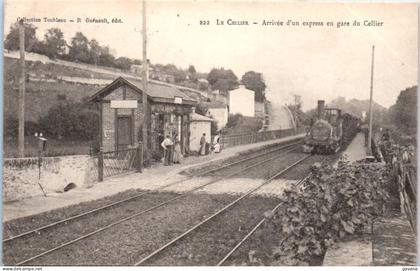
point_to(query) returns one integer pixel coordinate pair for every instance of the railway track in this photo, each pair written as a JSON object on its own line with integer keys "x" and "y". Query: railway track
{"x": 193, "y": 245}
{"x": 234, "y": 168}
{"x": 300, "y": 183}
{"x": 107, "y": 206}
{"x": 217, "y": 213}
{"x": 258, "y": 225}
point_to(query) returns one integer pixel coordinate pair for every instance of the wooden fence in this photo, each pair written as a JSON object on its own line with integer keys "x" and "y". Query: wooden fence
{"x": 407, "y": 184}
{"x": 118, "y": 162}
{"x": 404, "y": 164}
{"x": 242, "y": 139}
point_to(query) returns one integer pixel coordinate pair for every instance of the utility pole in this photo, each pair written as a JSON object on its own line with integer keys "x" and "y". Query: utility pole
{"x": 369, "y": 150}
{"x": 22, "y": 79}
{"x": 144, "y": 81}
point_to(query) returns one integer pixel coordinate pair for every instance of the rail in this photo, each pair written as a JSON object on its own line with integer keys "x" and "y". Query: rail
{"x": 227, "y": 141}
{"x": 220, "y": 211}
{"x": 141, "y": 212}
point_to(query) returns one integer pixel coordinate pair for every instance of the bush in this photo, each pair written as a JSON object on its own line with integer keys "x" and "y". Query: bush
{"x": 213, "y": 127}
{"x": 71, "y": 121}
{"x": 233, "y": 120}
{"x": 238, "y": 124}
{"x": 11, "y": 127}
{"x": 334, "y": 203}
{"x": 201, "y": 109}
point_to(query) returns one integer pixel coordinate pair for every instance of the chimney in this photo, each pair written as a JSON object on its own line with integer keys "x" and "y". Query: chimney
{"x": 321, "y": 109}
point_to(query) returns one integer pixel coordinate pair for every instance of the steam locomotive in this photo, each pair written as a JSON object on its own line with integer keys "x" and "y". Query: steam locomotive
{"x": 330, "y": 131}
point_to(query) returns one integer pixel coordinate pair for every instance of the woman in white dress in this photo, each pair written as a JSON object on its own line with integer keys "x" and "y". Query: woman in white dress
{"x": 216, "y": 143}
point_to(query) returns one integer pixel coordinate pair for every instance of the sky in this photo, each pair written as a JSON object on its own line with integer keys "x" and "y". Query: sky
{"x": 318, "y": 62}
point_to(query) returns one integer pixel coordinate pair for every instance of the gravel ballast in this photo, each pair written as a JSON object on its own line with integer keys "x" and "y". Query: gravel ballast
{"x": 130, "y": 241}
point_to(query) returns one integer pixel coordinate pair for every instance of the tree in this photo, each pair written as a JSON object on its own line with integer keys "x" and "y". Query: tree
{"x": 70, "y": 120}
{"x": 79, "y": 50}
{"x": 123, "y": 63}
{"x": 405, "y": 110}
{"x": 178, "y": 74}
{"x": 254, "y": 81}
{"x": 12, "y": 39}
{"x": 137, "y": 62}
{"x": 191, "y": 69}
{"x": 296, "y": 109}
{"x": 223, "y": 80}
{"x": 39, "y": 47}
{"x": 94, "y": 51}
{"x": 192, "y": 73}
{"x": 105, "y": 57}
{"x": 298, "y": 101}
{"x": 55, "y": 44}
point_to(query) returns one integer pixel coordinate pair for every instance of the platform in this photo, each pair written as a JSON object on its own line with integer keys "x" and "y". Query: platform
{"x": 394, "y": 243}
{"x": 151, "y": 179}
{"x": 389, "y": 242}
{"x": 356, "y": 150}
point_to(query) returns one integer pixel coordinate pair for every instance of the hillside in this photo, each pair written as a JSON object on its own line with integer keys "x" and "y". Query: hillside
{"x": 280, "y": 117}
{"x": 43, "y": 89}
{"x": 354, "y": 107}
{"x": 51, "y": 82}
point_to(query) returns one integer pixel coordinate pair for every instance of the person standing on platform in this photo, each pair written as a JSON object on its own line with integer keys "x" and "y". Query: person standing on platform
{"x": 216, "y": 143}
{"x": 167, "y": 150}
{"x": 177, "y": 153}
{"x": 203, "y": 144}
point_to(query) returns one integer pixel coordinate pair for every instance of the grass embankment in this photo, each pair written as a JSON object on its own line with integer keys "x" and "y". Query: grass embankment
{"x": 55, "y": 147}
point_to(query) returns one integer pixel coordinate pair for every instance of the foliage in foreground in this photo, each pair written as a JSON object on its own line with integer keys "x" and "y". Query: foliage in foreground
{"x": 333, "y": 204}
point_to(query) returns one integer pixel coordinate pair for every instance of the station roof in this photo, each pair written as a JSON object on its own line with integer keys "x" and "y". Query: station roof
{"x": 198, "y": 117}
{"x": 212, "y": 105}
{"x": 157, "y": 92}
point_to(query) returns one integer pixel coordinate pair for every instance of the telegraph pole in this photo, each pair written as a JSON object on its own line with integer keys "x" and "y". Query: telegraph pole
{"x": 369, "y": 150}
{"x": 144, "y": 81}
{"x": 22, "y": 79}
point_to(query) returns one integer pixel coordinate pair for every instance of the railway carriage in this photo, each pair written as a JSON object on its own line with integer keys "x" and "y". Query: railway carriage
{"x": 330, "y": 131}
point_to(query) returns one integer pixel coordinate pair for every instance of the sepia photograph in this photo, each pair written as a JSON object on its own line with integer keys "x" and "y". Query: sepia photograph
{"x": 209, "y": 133}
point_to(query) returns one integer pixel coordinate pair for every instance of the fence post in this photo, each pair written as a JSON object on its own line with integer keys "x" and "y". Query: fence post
{"x": 101, "y": 165}
{"x": 401, "y": 182}
{"x": 140, "y": 157}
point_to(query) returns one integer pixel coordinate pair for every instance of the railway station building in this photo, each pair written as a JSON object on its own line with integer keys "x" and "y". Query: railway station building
{"x": 122, "y": 115}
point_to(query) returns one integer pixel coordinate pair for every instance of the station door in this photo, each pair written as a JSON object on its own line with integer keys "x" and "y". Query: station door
{"x": 124, "y": 132}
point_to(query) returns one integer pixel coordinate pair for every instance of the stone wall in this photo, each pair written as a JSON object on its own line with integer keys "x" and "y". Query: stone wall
{"x": 22, "y": 178}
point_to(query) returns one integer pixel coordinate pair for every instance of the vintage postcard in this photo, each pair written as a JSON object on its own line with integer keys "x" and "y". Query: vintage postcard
{"x": 209, "y": 133}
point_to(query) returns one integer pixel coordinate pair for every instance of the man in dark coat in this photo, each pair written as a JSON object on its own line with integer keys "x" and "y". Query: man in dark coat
{"x": 203, "y": 144}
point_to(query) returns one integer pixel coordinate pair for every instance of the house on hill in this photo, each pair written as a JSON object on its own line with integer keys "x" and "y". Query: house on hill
{"x": 242, "y": 101}
{"x": 123, "y": 116}
{"x": 219, "y": 112}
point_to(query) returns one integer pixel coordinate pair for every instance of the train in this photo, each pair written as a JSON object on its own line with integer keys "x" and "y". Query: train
{"x": 330, "y": 131}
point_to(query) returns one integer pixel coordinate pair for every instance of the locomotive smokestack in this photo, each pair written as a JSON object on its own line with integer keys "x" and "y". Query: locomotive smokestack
{"x": 321, "y": 109}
